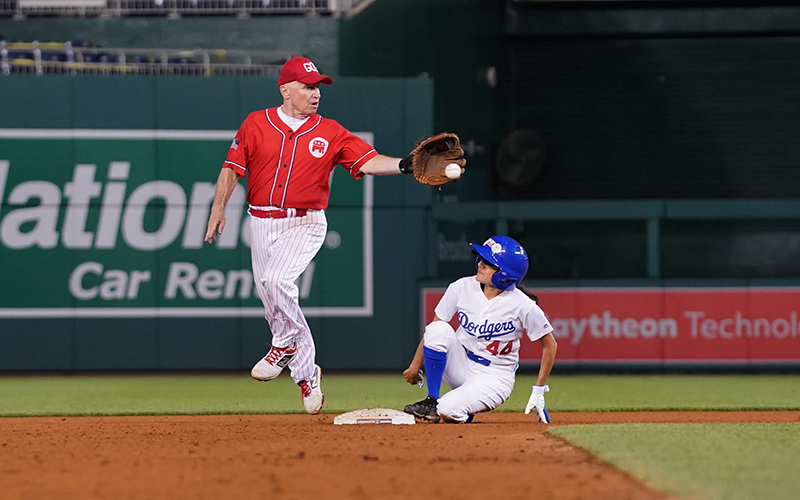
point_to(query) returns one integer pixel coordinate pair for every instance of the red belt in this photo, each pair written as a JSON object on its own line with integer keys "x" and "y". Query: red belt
{"x": 277, "y": 213}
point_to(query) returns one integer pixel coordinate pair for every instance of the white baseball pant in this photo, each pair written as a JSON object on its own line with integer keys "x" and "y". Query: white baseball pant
{"x": 281, "y": 249}
{"x": 474, "y": 387}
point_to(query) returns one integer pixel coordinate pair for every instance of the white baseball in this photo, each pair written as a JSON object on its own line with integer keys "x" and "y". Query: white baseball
{"x": 452, "y": 171}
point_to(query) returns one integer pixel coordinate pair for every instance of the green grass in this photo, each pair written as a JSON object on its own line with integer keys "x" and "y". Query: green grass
{"x": 192, "y": 394}
{"x": 239, "y": 394}
{"x": 665, "y": 392}
{"x": 700, "y": 461}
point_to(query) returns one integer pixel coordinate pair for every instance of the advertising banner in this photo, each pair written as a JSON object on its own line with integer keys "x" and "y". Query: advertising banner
{"x": 665, "y": 325}
{"x": 110, "y": 223}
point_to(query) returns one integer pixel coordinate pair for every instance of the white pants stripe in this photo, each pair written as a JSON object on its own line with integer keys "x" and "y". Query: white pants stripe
{"x": 281, "y": 250}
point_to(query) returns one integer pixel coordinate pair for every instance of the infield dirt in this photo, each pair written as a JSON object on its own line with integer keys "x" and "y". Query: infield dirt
{"x": 502, "y": 455}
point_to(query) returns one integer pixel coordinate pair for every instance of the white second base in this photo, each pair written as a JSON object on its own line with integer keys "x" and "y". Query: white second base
{"x": 374, "y": 416}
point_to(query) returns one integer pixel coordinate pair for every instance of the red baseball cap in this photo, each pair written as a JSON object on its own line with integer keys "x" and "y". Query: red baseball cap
{"x": 302, "y": 70}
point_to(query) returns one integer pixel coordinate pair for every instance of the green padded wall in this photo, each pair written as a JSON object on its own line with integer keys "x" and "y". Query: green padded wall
{"x": 40, "y": 276}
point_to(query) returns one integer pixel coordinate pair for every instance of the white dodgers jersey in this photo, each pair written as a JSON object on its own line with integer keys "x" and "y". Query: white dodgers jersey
{"x": 490, "y": 330}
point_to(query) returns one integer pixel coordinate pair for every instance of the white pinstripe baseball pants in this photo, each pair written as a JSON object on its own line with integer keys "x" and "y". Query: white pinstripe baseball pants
{"x": 281, "y": 249}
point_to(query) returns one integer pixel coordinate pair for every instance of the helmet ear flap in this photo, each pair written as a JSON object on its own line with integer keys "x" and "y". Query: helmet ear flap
{"x": 502, "y": 281}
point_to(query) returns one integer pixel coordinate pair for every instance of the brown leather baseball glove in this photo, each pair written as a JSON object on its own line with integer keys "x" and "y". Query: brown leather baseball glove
{"x": 431, "y": 156}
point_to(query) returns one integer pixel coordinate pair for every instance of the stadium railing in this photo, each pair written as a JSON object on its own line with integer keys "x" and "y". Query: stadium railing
{"x": 41, "y": 58}
{"x": 21, "y": 9}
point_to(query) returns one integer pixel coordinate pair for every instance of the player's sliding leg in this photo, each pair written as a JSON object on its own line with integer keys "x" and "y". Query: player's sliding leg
{"x": 442, "y": 355}
{"x": 435, "y": 362}
{"x": 477, "y": 394}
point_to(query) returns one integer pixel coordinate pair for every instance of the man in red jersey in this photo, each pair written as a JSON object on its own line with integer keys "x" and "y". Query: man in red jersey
{"x": 287, "y": 154}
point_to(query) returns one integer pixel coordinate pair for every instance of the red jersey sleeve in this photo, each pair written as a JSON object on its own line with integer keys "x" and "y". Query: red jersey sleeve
{"x": 237, "y": 154}
{"x": 354, "y": 152}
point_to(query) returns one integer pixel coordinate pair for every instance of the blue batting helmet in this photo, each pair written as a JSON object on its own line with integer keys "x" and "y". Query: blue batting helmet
{"x": 505, "y": 254}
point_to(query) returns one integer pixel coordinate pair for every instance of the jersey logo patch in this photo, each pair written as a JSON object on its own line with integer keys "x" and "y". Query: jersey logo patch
{"x": 235, "y": 144}
{"x": 317, "y": 147}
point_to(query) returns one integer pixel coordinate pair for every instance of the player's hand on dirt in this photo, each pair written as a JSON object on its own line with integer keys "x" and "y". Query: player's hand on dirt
{"x": 537, "y": 401}
{"x": 216, "y": 223}
{"x": 413, "y": 375}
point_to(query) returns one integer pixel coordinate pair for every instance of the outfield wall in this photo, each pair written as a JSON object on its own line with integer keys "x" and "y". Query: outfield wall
{"x": 660, "y": 327}
{"x": 105, "y": 189}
